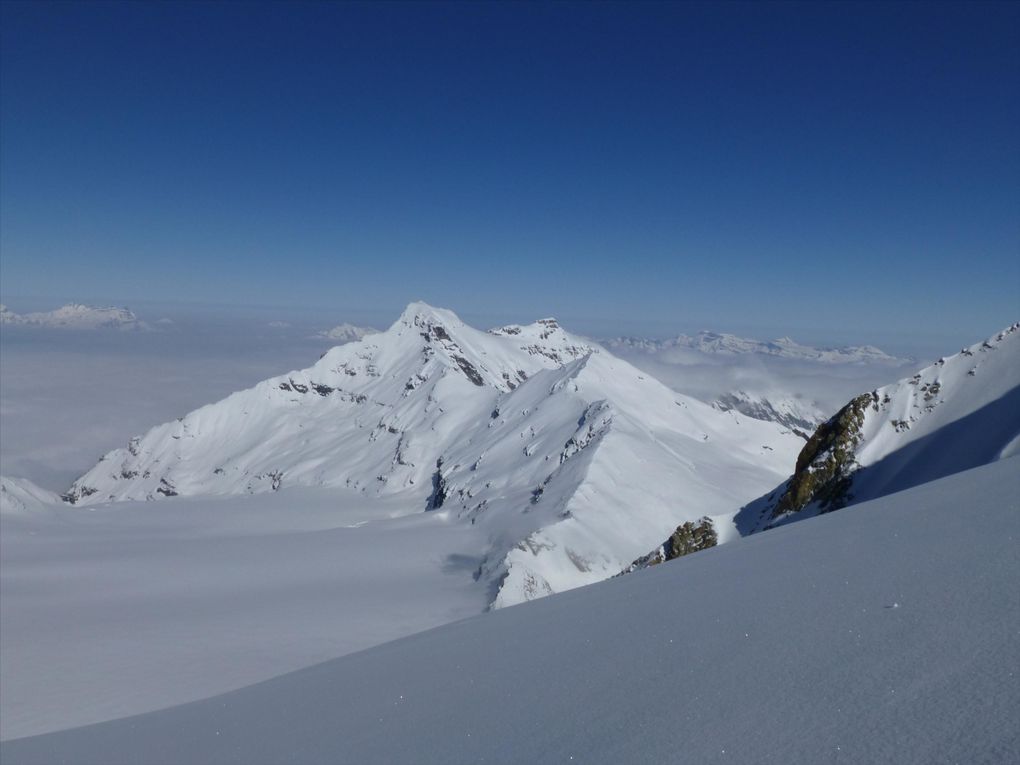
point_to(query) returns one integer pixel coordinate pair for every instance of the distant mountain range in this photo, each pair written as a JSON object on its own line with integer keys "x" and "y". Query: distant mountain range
{"x": 730, "y": 345}
{"x": 75, "y": 316}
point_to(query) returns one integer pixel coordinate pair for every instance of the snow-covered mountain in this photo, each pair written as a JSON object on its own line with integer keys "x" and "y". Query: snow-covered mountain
{"x": 346, "y": 333}
{"x": 796, "y": 413}
{"x": 572, "y": 461}
{"x": 958, "y": 413}
{"x": 19, "y": 495}
{"x": 75, "y": 316}
{"x": 885, "y": 635}
{"x": 961, "y": 412}
{"x": 732, "y": 345}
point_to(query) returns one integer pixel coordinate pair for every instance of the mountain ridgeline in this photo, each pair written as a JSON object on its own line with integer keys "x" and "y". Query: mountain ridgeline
{"x": 570, "y": 461}
{"x": 959, "y": 413}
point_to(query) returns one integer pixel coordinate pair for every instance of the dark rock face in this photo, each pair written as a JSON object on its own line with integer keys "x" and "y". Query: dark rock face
{"x": 439, "y": 489}
{"x": 469, "y": 370}
{"x": 77, "y": 493}
{"x": 688, "y": 538}
{"x": 826, "y": 464}
{"x": 166, "y": 488}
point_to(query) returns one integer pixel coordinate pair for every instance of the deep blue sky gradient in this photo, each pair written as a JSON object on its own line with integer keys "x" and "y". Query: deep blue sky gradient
{"x": 824, "y": 170}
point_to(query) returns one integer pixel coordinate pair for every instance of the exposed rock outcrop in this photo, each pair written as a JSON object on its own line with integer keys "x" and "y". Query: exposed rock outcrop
{"x": 688, "y": 538}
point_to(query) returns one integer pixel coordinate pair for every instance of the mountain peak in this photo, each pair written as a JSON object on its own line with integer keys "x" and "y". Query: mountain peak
{"x": 419, "y": 313}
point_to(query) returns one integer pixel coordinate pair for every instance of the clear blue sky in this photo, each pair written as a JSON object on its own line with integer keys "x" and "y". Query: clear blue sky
{"x": 803, "y": 168}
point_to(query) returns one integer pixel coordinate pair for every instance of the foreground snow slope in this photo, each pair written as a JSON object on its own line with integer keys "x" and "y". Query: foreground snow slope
{"x": 571, "y": 461}
{"x": 886, "y": 633}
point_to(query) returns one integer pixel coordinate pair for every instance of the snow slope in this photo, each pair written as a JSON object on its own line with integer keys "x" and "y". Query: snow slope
{"x": 75, "y": 316}
{"x": 19, "y": 495}
{"x": 571, "y": 461}
{"x": 882, "y": 634}
{"x": 961, "y": 412}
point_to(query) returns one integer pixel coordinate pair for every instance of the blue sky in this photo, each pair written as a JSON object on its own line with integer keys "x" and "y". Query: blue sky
{"x": 835, "y": 171}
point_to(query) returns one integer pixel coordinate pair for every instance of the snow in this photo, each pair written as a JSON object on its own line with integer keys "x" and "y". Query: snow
{"x": 346, "y": 333}
{"x": 732, "y": 345}
{"x": 301, "y": 533}
{"x": 113, "y": 610}
{"x": 795, "y": 385}
{"x": 943, "y": 419}
{"x": 939, "y": 421}
{"x": 536, "y": 437}
{"x": 882, "y": 633}
{"x": 66, "y": 398}
{"x": 20, "y": 495}
{"x": 75, "y": 316}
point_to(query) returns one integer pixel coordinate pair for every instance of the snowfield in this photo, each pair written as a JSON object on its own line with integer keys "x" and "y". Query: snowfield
{"x": 883, "y": 633}
{"x": 113, "y": 610}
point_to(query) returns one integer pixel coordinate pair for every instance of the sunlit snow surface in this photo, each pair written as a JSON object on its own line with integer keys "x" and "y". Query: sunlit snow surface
{"x": 572, "y": 462}
{"x": 118, "y": 609}
{"x": 882, "y": 633}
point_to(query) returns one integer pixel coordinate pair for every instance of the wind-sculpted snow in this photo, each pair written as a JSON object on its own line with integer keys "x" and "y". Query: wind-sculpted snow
{"x": 570, "y": 460}
{"x": 882, "y": 635}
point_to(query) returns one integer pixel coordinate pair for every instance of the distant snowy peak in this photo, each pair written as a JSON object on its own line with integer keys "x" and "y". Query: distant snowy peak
{"x": 961, "y": 412}
{"x": 75, "y": 316}
{"x": 19, "y": 495}
{"x": 572, "y": 461}
{"x": 545, "y": 337}
{"x": 346, "y": 333}
{"x": 799, "y": 415}
{"x": 726, "y": 344}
